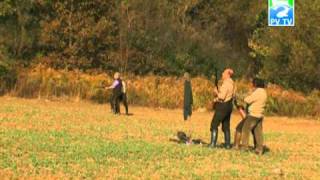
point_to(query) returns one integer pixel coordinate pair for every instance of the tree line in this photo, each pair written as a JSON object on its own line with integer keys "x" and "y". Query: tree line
{"x": 162, "y": 37}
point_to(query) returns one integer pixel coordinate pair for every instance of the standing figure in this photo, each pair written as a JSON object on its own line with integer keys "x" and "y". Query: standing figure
{"x": 223, "y": 109}
{"x": 188, "y": 98}
{"x": 253, "y": 122}
{"x": 187, "y": 106}
{"x": 237, "y": 135}
{"x": 116, "y": 93}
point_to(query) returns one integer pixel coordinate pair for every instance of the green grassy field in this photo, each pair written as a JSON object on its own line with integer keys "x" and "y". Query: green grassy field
{"x": 45, "y": 139}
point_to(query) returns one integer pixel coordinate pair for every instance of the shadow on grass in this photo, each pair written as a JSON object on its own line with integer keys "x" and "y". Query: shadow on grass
{"x": 182, "y": 138}
{"x": 265, "y": 150}
{"x": 122, "y": 114}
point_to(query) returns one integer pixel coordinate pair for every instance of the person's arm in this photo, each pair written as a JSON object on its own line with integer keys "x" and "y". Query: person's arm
{"x": 251, "y": 98}
{"x": 239, "y": 107}
{"x": 115, "y": 83}
{"x": 242, "y": 112}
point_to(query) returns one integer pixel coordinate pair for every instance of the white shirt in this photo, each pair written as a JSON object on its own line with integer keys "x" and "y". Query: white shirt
{"x": 257, "y": 102}
{"x": 227, "y": 90}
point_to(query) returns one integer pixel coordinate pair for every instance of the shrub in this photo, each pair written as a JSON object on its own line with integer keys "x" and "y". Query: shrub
{"x": 8, "y": 78}
{"x": 153, "y": 91}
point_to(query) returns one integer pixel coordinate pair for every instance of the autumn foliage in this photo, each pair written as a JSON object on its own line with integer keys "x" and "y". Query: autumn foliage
{"x": 151, "y": 91}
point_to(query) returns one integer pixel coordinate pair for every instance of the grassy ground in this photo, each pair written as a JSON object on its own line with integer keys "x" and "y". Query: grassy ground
{"x": 41, "y": 139}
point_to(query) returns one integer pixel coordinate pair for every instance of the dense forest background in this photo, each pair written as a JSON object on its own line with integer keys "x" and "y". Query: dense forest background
{"x": 162, "y": 37}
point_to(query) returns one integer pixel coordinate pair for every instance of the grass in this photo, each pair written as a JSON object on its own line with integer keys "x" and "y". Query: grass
{"x": 41, "y": 139}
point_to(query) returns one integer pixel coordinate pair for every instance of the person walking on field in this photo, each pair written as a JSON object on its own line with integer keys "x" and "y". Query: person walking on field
{"x": 223, "y": 109}
{"x": 116, "y": 93}
{"x": 253, "y": 121}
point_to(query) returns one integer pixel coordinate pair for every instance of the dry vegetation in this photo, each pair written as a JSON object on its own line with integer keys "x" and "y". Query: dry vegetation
{"x": 58, "y": 139}
{"x": 151, "y": 91}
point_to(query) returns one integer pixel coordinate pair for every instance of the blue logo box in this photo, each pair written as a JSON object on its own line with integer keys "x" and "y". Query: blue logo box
{"x": 281, "y": 12}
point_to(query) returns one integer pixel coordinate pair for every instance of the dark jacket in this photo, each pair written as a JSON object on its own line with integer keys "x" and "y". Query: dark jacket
{"x": 188, "y": 99}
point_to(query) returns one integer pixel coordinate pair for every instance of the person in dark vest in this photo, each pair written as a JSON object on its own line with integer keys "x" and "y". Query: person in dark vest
{"x": 223, "y": 109}
{"x": 124, "y": 96}
{"x": 116, "y": 93}
{"x": 253, "y": 121}
{"x": 188, "y": 98}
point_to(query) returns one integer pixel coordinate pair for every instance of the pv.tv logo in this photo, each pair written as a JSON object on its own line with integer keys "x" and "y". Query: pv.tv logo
{"x": 281, "y": 12}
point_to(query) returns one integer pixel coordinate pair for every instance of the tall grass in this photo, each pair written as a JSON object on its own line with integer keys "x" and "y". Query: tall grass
{"x": 154, "y": 91}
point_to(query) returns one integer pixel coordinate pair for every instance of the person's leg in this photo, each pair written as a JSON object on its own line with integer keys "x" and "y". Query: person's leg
{"x": 248, "y": 125}
{"x": 226, "y": 131}
{"x": 219, "y": 115}
{"x": 254, "y": 138}
{"x": 237, "y": 134}
{"x": 113, "y": 103}
{"x": 214, "y": 128}
{"x": 258, "y": 134}
{"x": 226, "y": 125}
{"x": 117, "y": 104}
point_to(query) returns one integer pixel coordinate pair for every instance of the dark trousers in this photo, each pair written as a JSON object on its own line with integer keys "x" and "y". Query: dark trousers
{"x": 115, "y": 103}
{"x": 252, "y": 125}
{"x": 239, "y": 133}
{"x": 222, "y": 115}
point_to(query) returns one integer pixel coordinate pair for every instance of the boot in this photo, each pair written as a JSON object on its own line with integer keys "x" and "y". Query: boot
{"x": 214, "y": 138}
{"x": 227, "y": 139}
{"x": 237, "y": 139}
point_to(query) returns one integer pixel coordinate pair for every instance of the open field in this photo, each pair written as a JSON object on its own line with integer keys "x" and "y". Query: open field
{"x": 45, "y": 139}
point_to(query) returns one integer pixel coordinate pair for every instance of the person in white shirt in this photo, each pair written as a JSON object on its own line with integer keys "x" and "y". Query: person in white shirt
{"x": 223, "y": 109}
{"x": 252, "y": 123}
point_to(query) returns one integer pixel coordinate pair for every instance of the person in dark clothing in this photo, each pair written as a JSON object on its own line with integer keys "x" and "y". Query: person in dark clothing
{"x": 116, "y": 93}
{"x": 187, "y": 106}
{"x": 223, "y": 109}
{"x": 188, "y": 98}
